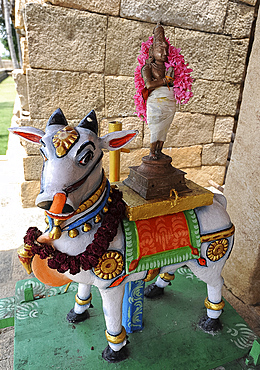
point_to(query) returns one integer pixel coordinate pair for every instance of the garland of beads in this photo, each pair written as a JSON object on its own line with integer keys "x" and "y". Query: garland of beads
{"x": 90, "y": 257}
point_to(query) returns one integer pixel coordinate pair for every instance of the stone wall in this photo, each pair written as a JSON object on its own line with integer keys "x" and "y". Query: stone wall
{"x": 82, "y": 55}
{"x": 242, "y": 271}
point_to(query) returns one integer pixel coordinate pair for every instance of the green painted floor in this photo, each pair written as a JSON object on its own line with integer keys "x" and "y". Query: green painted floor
{"x": 170, "y": 339}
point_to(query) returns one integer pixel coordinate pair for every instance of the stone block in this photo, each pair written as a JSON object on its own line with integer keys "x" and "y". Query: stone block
{"x": 205, "y": 15}
{"x": 186, "y": 129}
{"x": 249, "y": 2}
{"x": 29, "y": 192}
{"x": 75, "y": 93}
{"x": 206, "y": 53}
{"x": 32, "y": 167}
{"x": 65, "y": 39}
{"x": 19, "y": 12}
{"x": 185, "y": 157}
{"x": 202, "y": 175}
{"x": 223, "y": 129}
{"x": 21, "y": 88}
{"x": 128, "y": 123}
{"x": 238, "y": 20}
{"x": 242, "y": 188}
{"x": 119, "y": 92}
{"x": 181, "y": 157}
{"x": 122, "y": 50}
{"x": 215, "y": 154}
{"x": 101, "y": 6}
{"x": 19, "y": 6}
{"x": 124, "y": 40}
{"x": 134, "y": 158}
{"x": 236, "y": 61}
{"x": 25, "y": 55}
{"x": 213, "y": 97}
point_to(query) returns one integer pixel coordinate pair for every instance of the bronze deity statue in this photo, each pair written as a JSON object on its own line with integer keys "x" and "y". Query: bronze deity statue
{"x": 158, "y": 92}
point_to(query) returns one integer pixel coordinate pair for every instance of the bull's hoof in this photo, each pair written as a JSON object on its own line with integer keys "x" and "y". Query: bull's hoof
{"x": 153, "y": 291}
{"x": 74, "y": 317}
{"x": 115, "y": 356}
{"x": 210, "y": 325}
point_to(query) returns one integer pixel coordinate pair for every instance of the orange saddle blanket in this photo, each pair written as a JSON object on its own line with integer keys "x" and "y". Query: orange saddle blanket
{"x": 161, "y": 241}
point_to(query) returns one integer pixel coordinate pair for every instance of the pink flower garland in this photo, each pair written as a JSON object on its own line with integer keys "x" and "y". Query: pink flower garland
{"x": 182, "y": 79}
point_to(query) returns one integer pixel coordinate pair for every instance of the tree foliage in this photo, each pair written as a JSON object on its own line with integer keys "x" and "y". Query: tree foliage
{"x": 3, "y": 33}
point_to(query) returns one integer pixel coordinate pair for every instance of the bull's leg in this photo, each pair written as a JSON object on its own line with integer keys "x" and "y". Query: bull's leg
{"x": 115, "y": 334}
{"x": 157, "y": 289}
{"x": 214, "y": 305}
{"x": 83, "y": 300}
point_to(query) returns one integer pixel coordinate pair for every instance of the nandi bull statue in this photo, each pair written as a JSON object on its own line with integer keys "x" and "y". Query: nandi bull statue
{"x": 85, "y": 240}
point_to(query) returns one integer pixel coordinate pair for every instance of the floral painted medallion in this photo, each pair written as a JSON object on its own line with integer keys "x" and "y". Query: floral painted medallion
{"x": 217, "y": 249}
{"x": 64, "y": 139}
{"x": 110, "y": 265}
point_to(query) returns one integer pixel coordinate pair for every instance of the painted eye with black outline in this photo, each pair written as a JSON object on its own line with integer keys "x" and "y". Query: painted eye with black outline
{"x": 88, "y": 156}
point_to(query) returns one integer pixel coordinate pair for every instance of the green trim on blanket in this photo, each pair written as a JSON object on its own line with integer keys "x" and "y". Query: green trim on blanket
{"x": 132, "y": 241}
{"x": 194, "y": 228}
{"x": 163, "y": 258}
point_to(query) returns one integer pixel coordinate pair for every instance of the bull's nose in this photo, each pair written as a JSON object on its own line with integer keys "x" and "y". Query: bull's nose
{"x": 58, "y": 205}
{"x": 59, "y": 201}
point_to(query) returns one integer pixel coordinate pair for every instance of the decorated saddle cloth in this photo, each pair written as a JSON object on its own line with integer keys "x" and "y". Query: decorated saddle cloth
{"x": 161, "y": 241}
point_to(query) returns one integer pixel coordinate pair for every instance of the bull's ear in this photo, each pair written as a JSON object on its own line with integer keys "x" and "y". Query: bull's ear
{"x": 30, "y": 134}
{"x": 57, "y": 118}
{"x": 90, "y": 122}
{"x": 118, "y": 139}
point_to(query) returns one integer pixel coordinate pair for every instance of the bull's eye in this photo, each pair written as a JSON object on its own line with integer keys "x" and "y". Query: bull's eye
{"x": 43, "y": 155}
{"x": 86, "y": 157}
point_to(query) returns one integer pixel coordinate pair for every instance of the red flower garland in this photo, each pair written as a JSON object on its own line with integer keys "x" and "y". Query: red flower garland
{"x": 90, "y": 257}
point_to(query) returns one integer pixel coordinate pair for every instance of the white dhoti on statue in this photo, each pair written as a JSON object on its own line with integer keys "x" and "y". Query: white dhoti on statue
{"x": 161, "y": 107}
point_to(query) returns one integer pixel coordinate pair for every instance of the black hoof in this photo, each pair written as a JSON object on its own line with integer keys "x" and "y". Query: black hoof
{"x": 210, "y": 325}
{"x": 74, "y": 317}
{"x": 115, "y": 356}
{"x": 153, "y": 291}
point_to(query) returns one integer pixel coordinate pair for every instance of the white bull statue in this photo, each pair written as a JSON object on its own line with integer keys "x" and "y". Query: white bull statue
{"x": 85, "y": 239}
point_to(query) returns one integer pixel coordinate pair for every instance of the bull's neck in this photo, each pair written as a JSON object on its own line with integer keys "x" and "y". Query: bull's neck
{"x": 87, "y": 210}
{"x": 94, "y": 197}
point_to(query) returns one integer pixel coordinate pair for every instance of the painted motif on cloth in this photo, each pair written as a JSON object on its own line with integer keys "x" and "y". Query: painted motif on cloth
{"x": 161, "y": 241}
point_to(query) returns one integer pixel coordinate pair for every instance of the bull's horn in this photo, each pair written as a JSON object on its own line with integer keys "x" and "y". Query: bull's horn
{"x": 90, "y": 122}
{"x": 57, "y": 118}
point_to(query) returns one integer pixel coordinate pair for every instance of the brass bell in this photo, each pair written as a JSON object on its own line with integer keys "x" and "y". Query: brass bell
{"x": 55, "y": 233}
{"x": 73, "y": 233}
{"x": 87, "y": 227}
{"x": 97, "y": 218}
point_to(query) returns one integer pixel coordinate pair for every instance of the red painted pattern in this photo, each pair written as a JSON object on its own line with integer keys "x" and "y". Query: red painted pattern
{"x": 162, "y": 233}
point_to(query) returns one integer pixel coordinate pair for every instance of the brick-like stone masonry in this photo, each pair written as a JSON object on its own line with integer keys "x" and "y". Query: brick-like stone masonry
{"x": 80, "y": 55}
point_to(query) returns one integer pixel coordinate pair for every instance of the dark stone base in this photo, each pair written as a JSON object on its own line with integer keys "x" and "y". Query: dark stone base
{"x": 153, "y": 291}
{"x": 156, "y": 178}
{"x": 209, "y": 325}
{"x": 74, "y": 317}
{"x": 112, "y": 356}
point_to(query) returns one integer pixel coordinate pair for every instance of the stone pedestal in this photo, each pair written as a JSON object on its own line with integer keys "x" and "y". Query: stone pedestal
{"x": 156, "y": 178}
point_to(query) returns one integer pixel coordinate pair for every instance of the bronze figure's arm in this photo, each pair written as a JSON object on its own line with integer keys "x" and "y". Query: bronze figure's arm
{"x": 151, "y": 83}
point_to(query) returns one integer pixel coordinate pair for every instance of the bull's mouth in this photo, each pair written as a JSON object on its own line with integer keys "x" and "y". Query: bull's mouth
{"x": 58, "y": 208}
{"x": 59, "y": 216}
